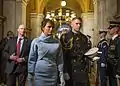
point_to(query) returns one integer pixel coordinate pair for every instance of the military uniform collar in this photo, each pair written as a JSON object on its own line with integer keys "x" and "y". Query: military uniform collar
{"x": 20, "y": 37}
{"x": 114, "y": 36}
{"x": 74, "y": 31}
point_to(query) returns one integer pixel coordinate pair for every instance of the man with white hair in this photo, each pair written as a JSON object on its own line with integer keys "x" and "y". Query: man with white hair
{"x": 16, "y": 53}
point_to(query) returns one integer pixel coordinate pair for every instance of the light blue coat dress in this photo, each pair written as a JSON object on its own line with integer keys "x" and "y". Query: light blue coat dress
{"x": 45, "y": 60}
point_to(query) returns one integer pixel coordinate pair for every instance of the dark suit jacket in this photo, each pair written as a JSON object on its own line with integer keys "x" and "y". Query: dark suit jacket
{"x": 10, "y": 49}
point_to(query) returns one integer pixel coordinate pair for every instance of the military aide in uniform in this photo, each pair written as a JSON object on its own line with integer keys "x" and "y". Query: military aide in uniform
{"x": 113, "y": 52}
{"x": 75, "y": 44}
{"x": 102, "y": 53}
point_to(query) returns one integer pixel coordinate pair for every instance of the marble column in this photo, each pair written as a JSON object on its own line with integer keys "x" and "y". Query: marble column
{"x": 39, "y": 21}
{"x": 102, "y": 14}
{"x": 36, "y": 20}
{"x": 20, "y": 12}
{"x": 15, "y": 13}
{"x": 111, "y": 9}
{"x": 88, "y": 24}
{"x": 96, "y": 16}
{"x": 9, "y": 11}
{"x": 1, "y": 19}
{"x": 24, "y": 8}
{"x": 100, "y": 18}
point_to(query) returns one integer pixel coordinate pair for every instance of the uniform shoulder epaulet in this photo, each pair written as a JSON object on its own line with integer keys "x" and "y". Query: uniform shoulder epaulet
{"x": 64, "y": 35}
{"x": 67, "y": 40}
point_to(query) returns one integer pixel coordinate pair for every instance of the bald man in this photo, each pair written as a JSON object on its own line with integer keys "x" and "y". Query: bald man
{"x": 16, "y": 53}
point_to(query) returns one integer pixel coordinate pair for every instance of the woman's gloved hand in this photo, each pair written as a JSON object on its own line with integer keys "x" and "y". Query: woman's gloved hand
{"x": 62, "y": 81}
{"x": 102, "y": 65}
{"x": 31, "y": 79}
{"x": 66, "y": 76}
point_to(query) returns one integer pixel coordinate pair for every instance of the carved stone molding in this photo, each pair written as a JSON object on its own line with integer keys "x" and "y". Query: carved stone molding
{"x": 25, "y": 2}
{"x": 41, "y": 15}
{"x": 33, "y": 15}
{"x": 95, "y": 2}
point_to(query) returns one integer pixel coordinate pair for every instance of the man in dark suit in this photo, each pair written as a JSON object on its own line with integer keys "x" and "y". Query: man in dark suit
{"x": 16, "y": 53}
{"x": 3, "y": 42}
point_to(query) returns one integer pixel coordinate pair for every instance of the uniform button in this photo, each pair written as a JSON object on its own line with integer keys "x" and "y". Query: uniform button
{"x": 74, "y": 61}
{"x": 74, "y": 70}
{"x": 81, "y": 70}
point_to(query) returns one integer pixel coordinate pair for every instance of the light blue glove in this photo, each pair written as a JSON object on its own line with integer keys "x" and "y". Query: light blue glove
{"x": 66, "y": 76}
{"x": 62, "y": 81}
{"x": 102, "y": 65}
{"x": 31, "y": 79}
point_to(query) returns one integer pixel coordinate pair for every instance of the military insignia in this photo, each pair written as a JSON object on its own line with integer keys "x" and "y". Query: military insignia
{"x": 69, "y": 44}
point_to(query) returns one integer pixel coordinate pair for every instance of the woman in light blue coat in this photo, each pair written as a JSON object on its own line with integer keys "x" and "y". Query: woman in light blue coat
{"x": 45, "y": 58}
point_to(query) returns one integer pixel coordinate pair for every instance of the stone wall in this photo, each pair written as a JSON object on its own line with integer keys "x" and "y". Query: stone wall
{"x": 15, "y": 13}
{"x": 1, "y": 19}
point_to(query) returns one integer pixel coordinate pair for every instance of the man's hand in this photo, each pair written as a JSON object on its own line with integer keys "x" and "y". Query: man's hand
{"x": 19, "y": 60}
{"x": 62, "y": 81}
{"x": 14, "y": 58}
{"x": 31, "y": 79}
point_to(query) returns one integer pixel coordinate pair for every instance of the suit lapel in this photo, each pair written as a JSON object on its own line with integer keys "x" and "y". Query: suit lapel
{"x": 14, "y": 44}
{"x": 23, "y": 46}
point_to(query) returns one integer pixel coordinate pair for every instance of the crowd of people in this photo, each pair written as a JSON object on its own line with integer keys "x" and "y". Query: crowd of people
{"x": 52, "y": 61}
